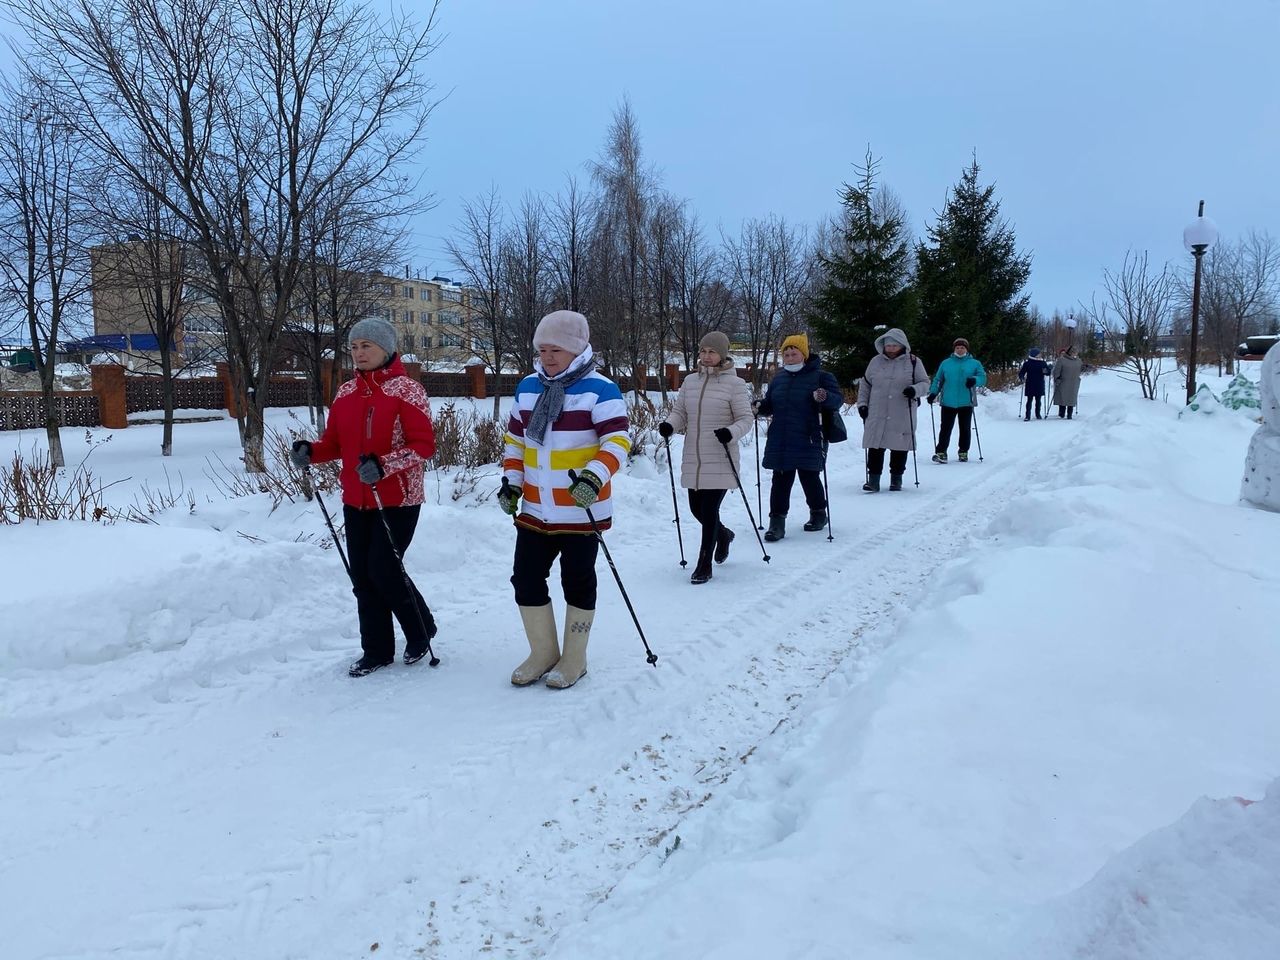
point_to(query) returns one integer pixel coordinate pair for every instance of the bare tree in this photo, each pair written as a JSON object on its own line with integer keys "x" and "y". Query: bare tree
{"x": 43, "y": 227}
{"x": 702, "y": 301}
{"x": 1136, "y": 306}
{"x": 527, "y": 271}
{"x": 569, "y": 218}
{"x": 478, "y": 252}
{"x": 259, "y": 109}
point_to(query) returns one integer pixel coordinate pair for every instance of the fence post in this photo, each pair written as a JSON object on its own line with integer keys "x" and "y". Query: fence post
{"x": 476, "y": 372}
{"x": 230, "y": 398}
{"x": 673, "y": 376}
{"x": 113, "y": 401}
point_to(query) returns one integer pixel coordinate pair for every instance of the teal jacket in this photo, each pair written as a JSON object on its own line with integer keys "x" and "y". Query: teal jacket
{"x": 950, "y": 378}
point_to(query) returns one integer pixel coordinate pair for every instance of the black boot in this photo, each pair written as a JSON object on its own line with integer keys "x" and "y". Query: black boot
{"x": 365, "y": 666}
{"x": 777, "y": 528}
{"x": 818, "y": 518}
{"x": 1070, "y": 410}
{"x": 871, "y": 486}
{"x": 723, "y": 539}
{"x": 895, "y": 481}
{"x": 702, "y": 572}
{"x": 1062, "y": 412}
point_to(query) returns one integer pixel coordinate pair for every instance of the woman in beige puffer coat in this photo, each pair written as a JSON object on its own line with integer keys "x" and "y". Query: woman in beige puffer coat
{"x": 713, "y": 410}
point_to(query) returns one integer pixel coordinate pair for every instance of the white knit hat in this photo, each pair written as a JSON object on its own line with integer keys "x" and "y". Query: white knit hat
{"x": 565, "y": 329}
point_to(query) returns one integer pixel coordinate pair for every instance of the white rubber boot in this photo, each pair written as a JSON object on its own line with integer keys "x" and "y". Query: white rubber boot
{"x": 573, "y": 663}
{"x": 544, "y": 651}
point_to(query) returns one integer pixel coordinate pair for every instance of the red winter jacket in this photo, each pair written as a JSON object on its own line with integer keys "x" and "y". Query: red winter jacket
{"x": 385, "y": 413}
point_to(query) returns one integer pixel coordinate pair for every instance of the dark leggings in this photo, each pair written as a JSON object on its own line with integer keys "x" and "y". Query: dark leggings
{"x": 949, "y": 417}
{"x": 1065, "y": 411}
{"x": 705, "y": 507}
{"x": 536, "y": 552}
{"x": 378, "y": 582}
{"x": 780, "y": 491}
{"x": 1037, "y": 400}
{"x": 875, "y": 461}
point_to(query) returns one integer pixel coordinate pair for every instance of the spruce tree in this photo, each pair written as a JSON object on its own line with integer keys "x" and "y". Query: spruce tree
{"x": 970, "y": 277}
{"x": 865, "y": 277}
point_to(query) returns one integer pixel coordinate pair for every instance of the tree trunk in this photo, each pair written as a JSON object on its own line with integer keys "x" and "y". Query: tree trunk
{"x": 166, "y": 372}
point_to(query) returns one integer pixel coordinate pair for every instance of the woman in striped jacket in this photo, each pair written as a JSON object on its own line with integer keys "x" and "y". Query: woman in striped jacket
{"x": 566, "y": 417}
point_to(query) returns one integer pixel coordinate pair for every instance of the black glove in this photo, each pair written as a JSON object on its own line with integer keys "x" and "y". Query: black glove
{"x": 971, "y": 382}
{"x": 932, "y": 397}
{"x": 509, "y": 498}
{"x": 300, "y": 454}
{"x": 723, "y": 434}
{"x": 862, "y": 412}
{"x": 665, "y": 429}
{"x": 370, "y": 470}
{"x": 909, "y": 392}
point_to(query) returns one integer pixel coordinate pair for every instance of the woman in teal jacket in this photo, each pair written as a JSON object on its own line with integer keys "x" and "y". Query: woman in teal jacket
{"x": 957, "y": 380}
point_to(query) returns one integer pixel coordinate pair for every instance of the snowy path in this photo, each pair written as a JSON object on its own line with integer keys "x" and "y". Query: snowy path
{"x": 253, "y": 802}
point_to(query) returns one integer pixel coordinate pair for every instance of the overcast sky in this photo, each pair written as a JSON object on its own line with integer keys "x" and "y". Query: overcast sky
{"x": 1101, "y": 122}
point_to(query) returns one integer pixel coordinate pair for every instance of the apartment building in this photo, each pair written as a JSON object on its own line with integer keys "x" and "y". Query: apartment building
{"x": 430, "y": 316}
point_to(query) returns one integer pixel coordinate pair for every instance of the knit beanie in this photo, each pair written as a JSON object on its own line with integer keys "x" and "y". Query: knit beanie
{"x": 960, "y": 342}
{"x": 375, "y": 330}
{"x": 798, "y": 340}
{"x": 564, "y": 329}
{"x": 1033, "y": 352}
{"x": 717, "y": 341}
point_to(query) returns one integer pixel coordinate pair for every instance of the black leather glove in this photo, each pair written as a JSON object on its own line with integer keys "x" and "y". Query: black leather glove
{"x": 300, "y": 454}
{"x": 665, "y": 429}
{"x": 932, "y": 397}
{"x": 370, "y": 470}
{"x": 723, "y": 434}
{"x": 971, "y": 382}
{"x": 909, "y": 392}
{"x": 862, "y": 412}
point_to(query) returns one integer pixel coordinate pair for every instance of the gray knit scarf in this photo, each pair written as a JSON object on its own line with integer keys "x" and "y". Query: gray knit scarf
{"x": 550, "y": 404}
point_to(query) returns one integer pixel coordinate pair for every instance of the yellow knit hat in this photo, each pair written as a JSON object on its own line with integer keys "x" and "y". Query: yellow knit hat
{"x": 798, "y": 340}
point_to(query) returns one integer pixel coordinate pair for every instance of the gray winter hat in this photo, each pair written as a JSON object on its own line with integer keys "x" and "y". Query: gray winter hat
{"x": 375, "y": 330}
{"x": 717, "y": 341}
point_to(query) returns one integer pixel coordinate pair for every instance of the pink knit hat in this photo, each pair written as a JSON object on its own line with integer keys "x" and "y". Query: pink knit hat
{"x": 565, "y": 329}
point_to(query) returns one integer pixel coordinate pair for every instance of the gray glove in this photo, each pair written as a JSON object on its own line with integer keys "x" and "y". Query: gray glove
{"x": 370, "y": 470}
{"x": 300, "y": 454}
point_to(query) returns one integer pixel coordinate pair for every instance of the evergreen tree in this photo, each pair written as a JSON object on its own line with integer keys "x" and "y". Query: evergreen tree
{"x": 969, "y": 278}
{"x": 864, "y": 279}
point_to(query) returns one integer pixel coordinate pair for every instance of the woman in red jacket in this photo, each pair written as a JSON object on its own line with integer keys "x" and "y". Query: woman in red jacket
{"x": 380, "y": 427}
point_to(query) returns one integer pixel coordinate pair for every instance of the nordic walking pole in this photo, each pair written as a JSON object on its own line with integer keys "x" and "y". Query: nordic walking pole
{"x": 759, "y": 502}
{"x": 911, "y": 408}
{"x": 651, "y": 657}
{"x": 329, "y": 520}
{"x": 671, "y": 471}
{"x": 826, "y": 496}
{"x": 976, "y": 434}
{"x": 1048, "y": 399}
{"x": 933, "y": 426}
{"x": 408, "y": 584}
{"x": 745, "y": 502}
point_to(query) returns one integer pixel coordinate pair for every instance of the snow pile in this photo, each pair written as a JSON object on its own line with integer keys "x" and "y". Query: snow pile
{"x": 1261, "y": 483}
{"x": 1203, "y": 402}
{"x": 1204, "y": 886}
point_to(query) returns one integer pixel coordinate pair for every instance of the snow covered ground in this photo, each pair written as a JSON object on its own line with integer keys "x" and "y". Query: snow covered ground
{"x": 982, "y": 722}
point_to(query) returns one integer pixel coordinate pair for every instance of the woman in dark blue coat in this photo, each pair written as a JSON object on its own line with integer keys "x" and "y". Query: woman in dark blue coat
{"x": 1031, "y": 375}
{"x": 797, "y": 395}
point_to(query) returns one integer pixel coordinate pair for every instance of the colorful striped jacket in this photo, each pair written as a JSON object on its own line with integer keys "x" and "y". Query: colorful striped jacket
{"x": 590, "y": 433}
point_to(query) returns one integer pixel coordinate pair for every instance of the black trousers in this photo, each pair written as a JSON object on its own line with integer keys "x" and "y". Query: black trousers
{"x": 379, "y": 584}
{"x": 705, "y": 507}
{"x": 949, "y": 417}
{"x": 1065, "y": 411}
{"x": 536, "y": 552}
{"x": 1037, "y": 400}
{"x": 875, "y": 461}
{"x": 780, "y": 491}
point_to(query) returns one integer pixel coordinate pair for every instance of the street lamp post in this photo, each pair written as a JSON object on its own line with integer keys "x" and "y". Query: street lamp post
{"x": 1198, "y": 237}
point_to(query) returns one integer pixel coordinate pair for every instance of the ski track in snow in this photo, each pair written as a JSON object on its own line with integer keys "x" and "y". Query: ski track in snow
{"x": 460, "y": 827}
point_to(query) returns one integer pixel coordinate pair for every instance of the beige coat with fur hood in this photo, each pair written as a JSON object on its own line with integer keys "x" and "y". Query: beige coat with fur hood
{"x": 709, "y": 399}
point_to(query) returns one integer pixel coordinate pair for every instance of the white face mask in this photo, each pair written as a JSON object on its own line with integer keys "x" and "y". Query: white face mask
{"x": 793, "y": 367}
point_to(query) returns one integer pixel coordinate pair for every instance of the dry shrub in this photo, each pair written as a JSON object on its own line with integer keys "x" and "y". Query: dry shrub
{"x": 280, "y": 479}
{"x": 34, "y": 489}
{"x": 466, "y": 438}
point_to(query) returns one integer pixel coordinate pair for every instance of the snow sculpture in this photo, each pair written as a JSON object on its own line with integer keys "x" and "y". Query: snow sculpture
{"x": 1242, "y": 394}
{"x": 1261, "y": 484}
{"x": 1203, "y": 402}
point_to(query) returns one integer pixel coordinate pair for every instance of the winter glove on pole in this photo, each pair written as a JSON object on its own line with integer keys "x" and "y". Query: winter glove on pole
{"x": 723, "y": 435}
{"x": 509, "y": 498}
{"x": 862, "y": 412}
{"x": 300, "y": 454}
{"x": 665, "y": 429}
{"x": 971, "y": 382}
{"x": 909, "y": 392}
{"x": 370, "y": 470}
{"x": 585, "y": 490}
{"x": 931, "y": 398}
{"x": 820, "y": 394}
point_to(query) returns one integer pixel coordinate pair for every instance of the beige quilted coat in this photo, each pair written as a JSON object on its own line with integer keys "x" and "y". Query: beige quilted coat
{"x": 709, "y": 399}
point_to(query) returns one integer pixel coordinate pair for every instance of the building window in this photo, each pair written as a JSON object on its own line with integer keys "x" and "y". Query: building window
{"x": 408, "y": 316}
{"x": 408, "y": 341}
{"x": 408, "y": 292}
{"x": 391, "y": 316}
{"x": 426, "y": 343}
{"x": 425, "y": 294}
{"x": 450, "y": 340}
{"x": 426, "y": 317}
{"x": 391, "y": 289}
{"x": 449, "y": 317}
